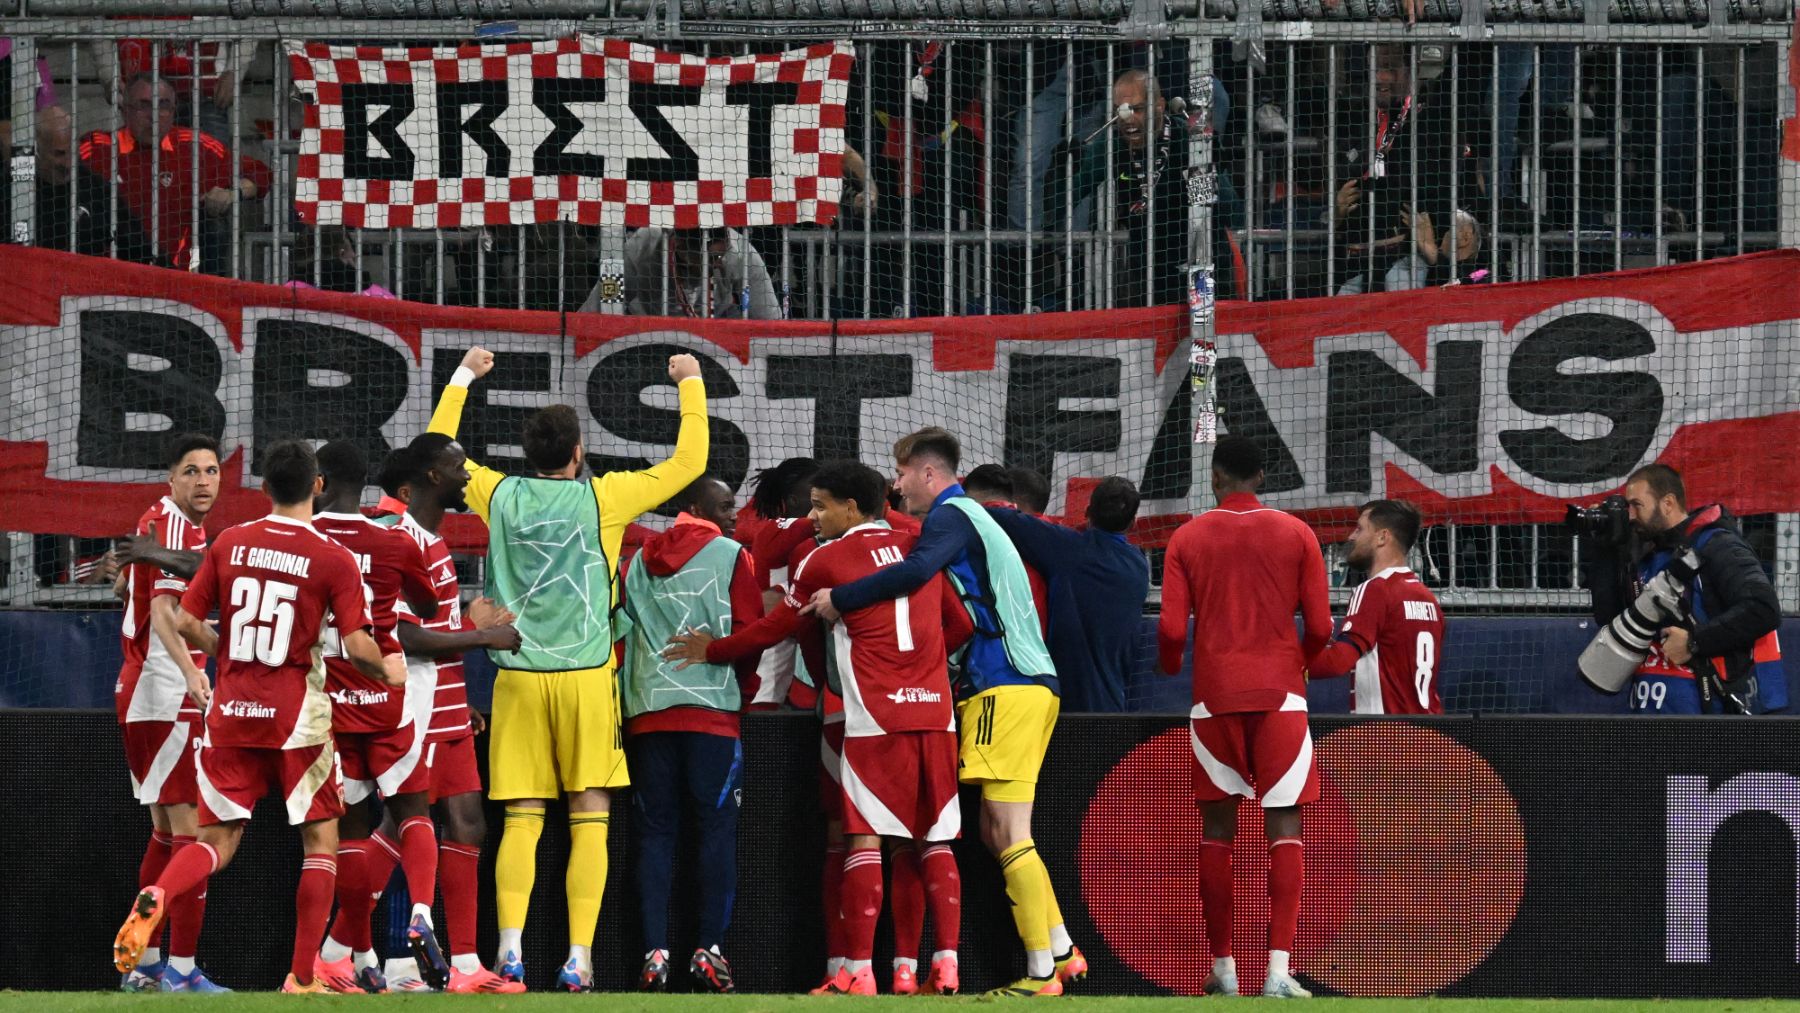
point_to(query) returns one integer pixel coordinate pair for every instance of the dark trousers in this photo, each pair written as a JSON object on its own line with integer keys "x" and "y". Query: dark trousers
{"x": 670, "y": 770}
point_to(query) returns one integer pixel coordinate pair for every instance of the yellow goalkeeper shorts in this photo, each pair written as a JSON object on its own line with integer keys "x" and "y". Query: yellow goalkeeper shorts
{"x": 1005, "y": 733}
{"x": 555, "y": 732}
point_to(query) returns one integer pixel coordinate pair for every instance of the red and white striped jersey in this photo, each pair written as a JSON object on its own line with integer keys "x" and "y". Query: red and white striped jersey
{"x": 150, "y": 686}
{"x": 1395, "y": 621}
{"x": 890, "y": 657}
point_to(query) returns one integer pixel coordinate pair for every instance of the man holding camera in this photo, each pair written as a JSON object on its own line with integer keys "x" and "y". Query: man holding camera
{"x": 1693, "y": 615}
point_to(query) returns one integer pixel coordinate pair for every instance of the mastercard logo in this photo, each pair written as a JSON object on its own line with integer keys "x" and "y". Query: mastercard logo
{"x": 1415, "y": 865}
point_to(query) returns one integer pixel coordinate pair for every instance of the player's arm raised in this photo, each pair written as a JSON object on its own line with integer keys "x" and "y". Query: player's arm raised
{"x": 630, "y": 493}
{"x": 447, "y": 418}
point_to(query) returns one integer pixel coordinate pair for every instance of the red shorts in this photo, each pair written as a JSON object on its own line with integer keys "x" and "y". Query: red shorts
{"x": 453, "y": 769}
{"x": 831, "y": 761}
{"x": 391, "y": 761}
{"x": 233, "y": 778}
{"x": 161, "y": 757}
{"x": 1272, "y": 750}
{"x": 902, "y": 784}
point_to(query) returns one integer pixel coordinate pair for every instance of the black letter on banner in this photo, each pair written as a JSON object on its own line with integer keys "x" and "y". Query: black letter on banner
{"x": 290, "y": 406}
{"x": 614, "y": 391}
{"x": 1365, "y": 396}
{"x": 491, "y": 95}
{"x": 762, "y": 100}
{"x": 682, "y": 163}
{"x": 359, "y": 161}
{"x": 186, "y": 392}
{"x": 485, "y": 425}
{"x": 552, "y": 97}
{"x": 1632, "y": 400}
{"x": 1036, "y": 427}
{"x": 838, "y": 385}
{"x": 1247, "y": 416}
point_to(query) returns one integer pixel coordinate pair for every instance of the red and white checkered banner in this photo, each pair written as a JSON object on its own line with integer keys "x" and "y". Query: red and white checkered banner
{"x": 590, "y": 130}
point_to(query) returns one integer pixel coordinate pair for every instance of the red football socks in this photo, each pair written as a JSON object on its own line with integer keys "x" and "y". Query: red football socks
{"x": 833, "y": 891}
{"x": 458, "y": 867}
{"x": 861, "y": 902}
{"x": 1215, "y": 895}
{"x": 419, "y": 858}
{"x": 1287, "y": 873}
{"x": 906, "y": 898}
{"x": 355, "y": 905}
{"x": 186, "y": 913}
{"x": 188, "y": 869}
{"x": 943, "y": 892}
{"x": 156, "y": 858}
{"x": 312, "y": 905}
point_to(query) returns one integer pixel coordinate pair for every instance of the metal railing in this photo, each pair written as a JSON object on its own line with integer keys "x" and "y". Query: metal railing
{"x": 971, "y": 212}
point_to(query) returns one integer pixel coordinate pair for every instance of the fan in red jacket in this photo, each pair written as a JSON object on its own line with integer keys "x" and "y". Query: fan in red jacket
{"x": 1241, "y": 571}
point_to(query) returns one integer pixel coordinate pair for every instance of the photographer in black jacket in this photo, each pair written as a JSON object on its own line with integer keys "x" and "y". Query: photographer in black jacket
{"x": 1716, "y": 650}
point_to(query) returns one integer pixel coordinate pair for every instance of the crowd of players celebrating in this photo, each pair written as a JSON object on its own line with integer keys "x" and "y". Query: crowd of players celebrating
{"x": 338, "y": 644}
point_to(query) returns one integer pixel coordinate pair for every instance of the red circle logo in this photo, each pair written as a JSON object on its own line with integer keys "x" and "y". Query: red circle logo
{"x": 1415, "y": 863}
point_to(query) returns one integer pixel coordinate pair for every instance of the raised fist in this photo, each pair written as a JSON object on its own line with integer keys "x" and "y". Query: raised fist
{"x": 479, "y": 361}
{"x": 683, "y": 366}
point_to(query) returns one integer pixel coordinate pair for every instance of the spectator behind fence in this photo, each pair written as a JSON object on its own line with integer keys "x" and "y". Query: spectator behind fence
{"x": 664, "y": 276}
{"x": 67, "y": 193}
{"x": 1149, "y": 163}
{"x": 157, "y": 165}
{"x": 216, "y": 65}
{"x": 1098, "y": 583}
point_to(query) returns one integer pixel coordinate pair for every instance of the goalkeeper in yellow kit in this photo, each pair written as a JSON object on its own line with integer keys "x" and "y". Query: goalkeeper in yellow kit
{"x": 553, "y": 560}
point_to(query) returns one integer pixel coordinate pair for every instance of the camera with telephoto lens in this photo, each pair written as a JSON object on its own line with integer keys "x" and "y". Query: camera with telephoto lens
{"x": 1607, "y": 522}
{"x": 1622, "y": 644}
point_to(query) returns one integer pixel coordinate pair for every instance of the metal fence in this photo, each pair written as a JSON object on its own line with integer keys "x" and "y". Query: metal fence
{"x": 996, "y": 171}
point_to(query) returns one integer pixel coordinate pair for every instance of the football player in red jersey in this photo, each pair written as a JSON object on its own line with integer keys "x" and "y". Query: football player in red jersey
{"x": 1393, "y": 636}
{"x": 1240, "y": 571}
{"x": 379, "y": 731}
{"x": 160, "y": 694}
{"x": 279, "y": 585}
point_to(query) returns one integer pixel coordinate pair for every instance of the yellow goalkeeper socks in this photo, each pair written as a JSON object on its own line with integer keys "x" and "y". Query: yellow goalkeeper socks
{"x": 1028, "y": 886}
{"x": 515, "y": 865}
{"x": 587, "y": 874}
{"x": 1060, "y": 943}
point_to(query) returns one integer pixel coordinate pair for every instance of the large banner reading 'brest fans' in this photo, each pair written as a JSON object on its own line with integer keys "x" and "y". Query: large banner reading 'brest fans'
{"x": 1493, "y": 405}
{"x": 585, "y": 129}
